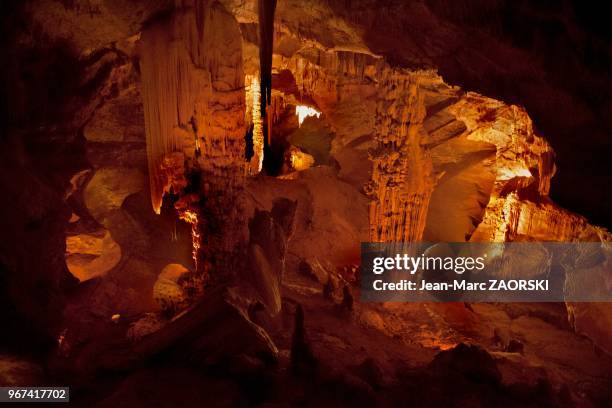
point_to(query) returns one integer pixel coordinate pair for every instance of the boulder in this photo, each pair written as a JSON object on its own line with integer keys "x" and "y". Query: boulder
{"x": 91, "y": 255}
{"x": 168, "y": 292}
{"x": 145, "y": 326}
{"x": 108, "y": 188}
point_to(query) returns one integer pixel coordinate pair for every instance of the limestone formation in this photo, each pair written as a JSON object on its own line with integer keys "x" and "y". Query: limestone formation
{"x": 193, "y": 93}
{"x": 89, "y": 256}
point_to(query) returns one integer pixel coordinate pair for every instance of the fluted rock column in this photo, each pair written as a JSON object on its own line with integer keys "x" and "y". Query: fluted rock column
{"x": 402, "y": 179}
{"x": 194, "y": 103}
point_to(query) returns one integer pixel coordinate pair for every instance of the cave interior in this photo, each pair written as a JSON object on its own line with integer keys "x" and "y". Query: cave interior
{"x": 187, "y": 184}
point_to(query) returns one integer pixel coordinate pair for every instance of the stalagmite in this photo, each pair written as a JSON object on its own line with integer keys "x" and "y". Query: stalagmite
{"x": 254, "y": 92}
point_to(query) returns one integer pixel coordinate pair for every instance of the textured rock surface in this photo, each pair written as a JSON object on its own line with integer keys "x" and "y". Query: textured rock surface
{"x": 89, "y": 256}
{"x": 107, "y": 190}
{"x": 148, "y": 324}
{"x": 167, "y": 291}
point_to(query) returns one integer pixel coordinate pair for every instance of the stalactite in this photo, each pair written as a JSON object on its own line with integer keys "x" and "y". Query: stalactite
{"x": 266, "y": 9}
{"x": 161, "y": 73}
{"x": 266, "y": 38}
{"x": 193, "y": 93}
{"x": 302, "y": 112}
{"x": 511, "y": 218}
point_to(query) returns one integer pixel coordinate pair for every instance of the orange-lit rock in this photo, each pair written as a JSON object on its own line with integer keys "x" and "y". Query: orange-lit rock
{"x": 90, "y": 256}
{"x": 253, "y": 111}
{"x": 477, "y": 170}
{"x": 300, "y": 160}
{"x": 402, "y": 178}
{"x": 168, "y": 292}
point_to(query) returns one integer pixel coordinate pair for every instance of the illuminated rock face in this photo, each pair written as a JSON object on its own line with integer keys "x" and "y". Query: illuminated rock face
{"x": 253, "y": 103}
{"x": 402, "y": 179}
{"x": 90, "y": 256}
{"x": 300, "y": 160}
{"x": 477, "y": 158}
{"x": 518, "y": 207}
{"x": 445, "y": 164}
